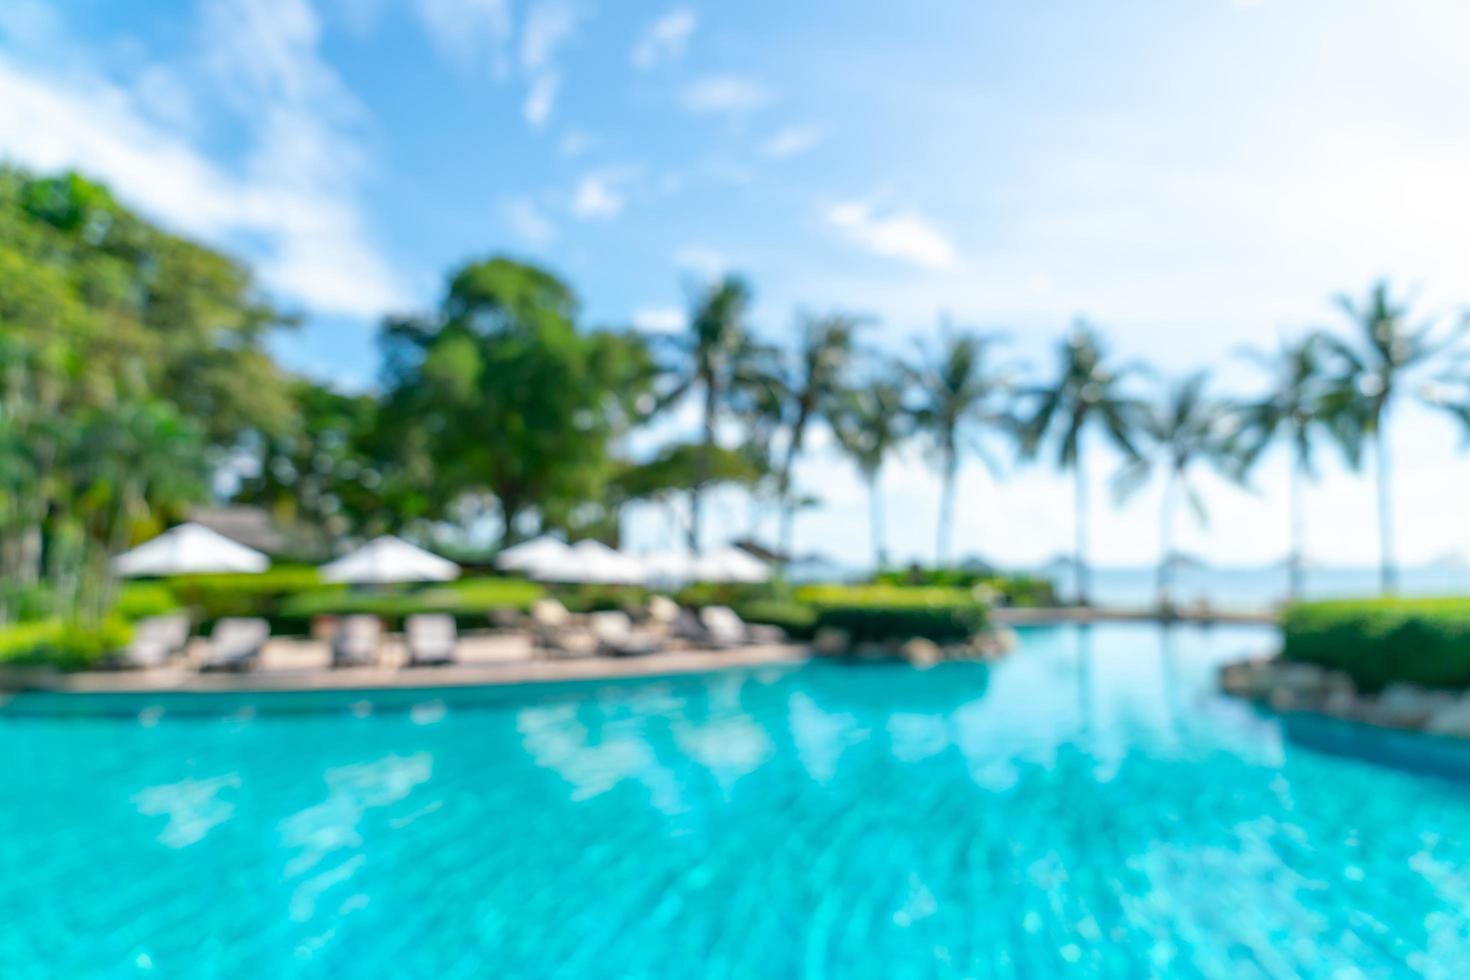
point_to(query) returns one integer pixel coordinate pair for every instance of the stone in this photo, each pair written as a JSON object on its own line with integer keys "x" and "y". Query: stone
{"x": 831, "y": 641}
{"x": 921, "y": 653}
{"x": 1404, "y": 706}
{"x": 1302, "y": 679}
{"x": 1451, "y": 719}
{"x": 1342, "y": 703}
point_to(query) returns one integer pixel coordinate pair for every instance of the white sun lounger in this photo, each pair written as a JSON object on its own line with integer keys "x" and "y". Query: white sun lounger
{"x": 430, "y": 638}
{"x": 235, "y": 644}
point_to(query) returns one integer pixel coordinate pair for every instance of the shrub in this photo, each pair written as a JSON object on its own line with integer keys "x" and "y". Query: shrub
{"x": 734, "y": 594}
{"x": 27, "y": 603}
{"x": 138, "y": 600}
{"x": 62, "y": 644}
{"x": 213, "y": 597}
{"x": 798, "y": 620}
{"x": 468, "y": 600}
{"x": 1378, "y": 642}
{"x": 893, "y": 614}
{"x": 601, "y": 598}
{"x": 1015, "y": 589}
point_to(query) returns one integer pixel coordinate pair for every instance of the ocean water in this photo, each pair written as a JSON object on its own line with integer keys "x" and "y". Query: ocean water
{"x": 1089, "y": 807}
{"x": 1258, "y": 589}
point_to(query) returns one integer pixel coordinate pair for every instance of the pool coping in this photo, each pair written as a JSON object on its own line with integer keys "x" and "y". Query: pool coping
{"x": 369, "y": 679}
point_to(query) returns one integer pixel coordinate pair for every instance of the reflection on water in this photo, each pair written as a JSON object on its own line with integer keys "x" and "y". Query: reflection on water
{"x": 1089, "y": 804}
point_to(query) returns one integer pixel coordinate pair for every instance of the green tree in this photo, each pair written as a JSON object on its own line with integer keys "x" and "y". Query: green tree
{"x": 500, "y": 395}
{"x": 681, "y": 471}
{"x": 1374, "y": 371}
{"x": 1291, "y": 409}
{"x": 870, "y": 421}
{"x": 329, "y": 474}
{"x": 122, "y": 347}
{"x": 135, "y": 462}
{"x": 961, "y": 396}
{"x": 1086, "y": 392}
{"x": 716, "y": 359}
{"x": 822, "y": 359}
{"x": 1185, "y": 429}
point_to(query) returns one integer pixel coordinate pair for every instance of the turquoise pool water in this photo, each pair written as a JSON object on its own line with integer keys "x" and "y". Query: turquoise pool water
{"x": 1090, "y": 807}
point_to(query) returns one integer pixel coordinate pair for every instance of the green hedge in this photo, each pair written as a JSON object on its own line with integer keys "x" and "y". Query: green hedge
{"x": 1382, "y": 641}
{"x": 799, "y": 621}
{"x": 470, "y": 601}
{"x": 1015, "y": 589}
{"x": 893, "y": 614}
{"x": 212, "y": 597}
{"x": 62, "y": 644}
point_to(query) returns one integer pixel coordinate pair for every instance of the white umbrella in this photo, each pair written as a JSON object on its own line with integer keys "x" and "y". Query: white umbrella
{"x": 591, "y": 562}
{"x": 187, "y": 550}
{"x": 668, "y": 567}
{"x": 730, "y": 565}
{"x": 389, "y": 559}
{"x": 530, "y": 554}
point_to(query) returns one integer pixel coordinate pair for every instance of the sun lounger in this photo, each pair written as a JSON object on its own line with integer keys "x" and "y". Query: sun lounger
{"x": 616, "y": 636}
{"x": 722, "y": 627}
{"x": 155, "y": 640}
{"x": 357, "y": 642}
{"x": 235, "y": 644}
{"x": 556, "y": 634}
{"x": 430, "y": 638}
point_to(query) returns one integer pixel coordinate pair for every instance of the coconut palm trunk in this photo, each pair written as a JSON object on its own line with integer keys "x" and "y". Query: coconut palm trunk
{"x": 702, "y": 473}
{"x": 1166, "y": 543}
{"x": 1296, "y": 560}
{"x": 875, "y": 522}
{"x": 1079, "y": 502}
{"x": 946, "y": 509}
{"x": 1388, "y": 575}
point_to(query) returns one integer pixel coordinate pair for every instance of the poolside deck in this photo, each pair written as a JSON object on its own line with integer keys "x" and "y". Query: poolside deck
{"x": 301, "y": 665}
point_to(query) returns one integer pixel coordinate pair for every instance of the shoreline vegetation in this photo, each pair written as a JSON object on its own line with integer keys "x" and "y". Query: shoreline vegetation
{"x": 135, "y": 371}
{"x": 1395, "y": 663}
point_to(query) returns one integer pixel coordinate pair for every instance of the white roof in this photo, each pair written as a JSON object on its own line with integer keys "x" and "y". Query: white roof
{"x": 529, "y": 554}
{"x": 189, "y": 549}
{"x": 390, "y": 559}
{"x": 592, "y": 562}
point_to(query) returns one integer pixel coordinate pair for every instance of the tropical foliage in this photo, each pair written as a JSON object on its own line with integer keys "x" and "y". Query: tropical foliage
{"x": 136, "y": 382}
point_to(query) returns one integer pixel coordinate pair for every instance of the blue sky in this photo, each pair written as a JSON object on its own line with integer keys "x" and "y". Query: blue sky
{"x": 1193, "y": 176}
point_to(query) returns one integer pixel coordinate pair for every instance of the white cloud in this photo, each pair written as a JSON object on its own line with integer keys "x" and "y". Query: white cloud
{"x": 659, "y": 319}
{"x": 896, "y": 234}
{"x": 724, "y": 94}
{"x": 540, "y": 99}
{"x": 792, "y": 141}
{"x": 294, "y": 203}
{"x": 665, "y": 39}
{"x": 549, "y": 23}
{"x": 598, "y": 196}
{"x": 467, "y": 32}
{"x": 528, "y": 223}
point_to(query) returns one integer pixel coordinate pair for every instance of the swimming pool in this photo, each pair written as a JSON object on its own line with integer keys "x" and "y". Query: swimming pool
{"x": 1088, "y": 807}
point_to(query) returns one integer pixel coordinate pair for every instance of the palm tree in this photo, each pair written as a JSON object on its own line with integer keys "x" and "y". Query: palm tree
{"x": 1292, "y": 408}
{"x": 1374, "y": 370}
{"x": 715, "y": 357}
{"x": 822, "y": 361}
{"x": 1185, "y": 429}
{"x": 869, "y": 421}
{"x": 960, "y": 395}
{"x": 1086, "y": 392}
